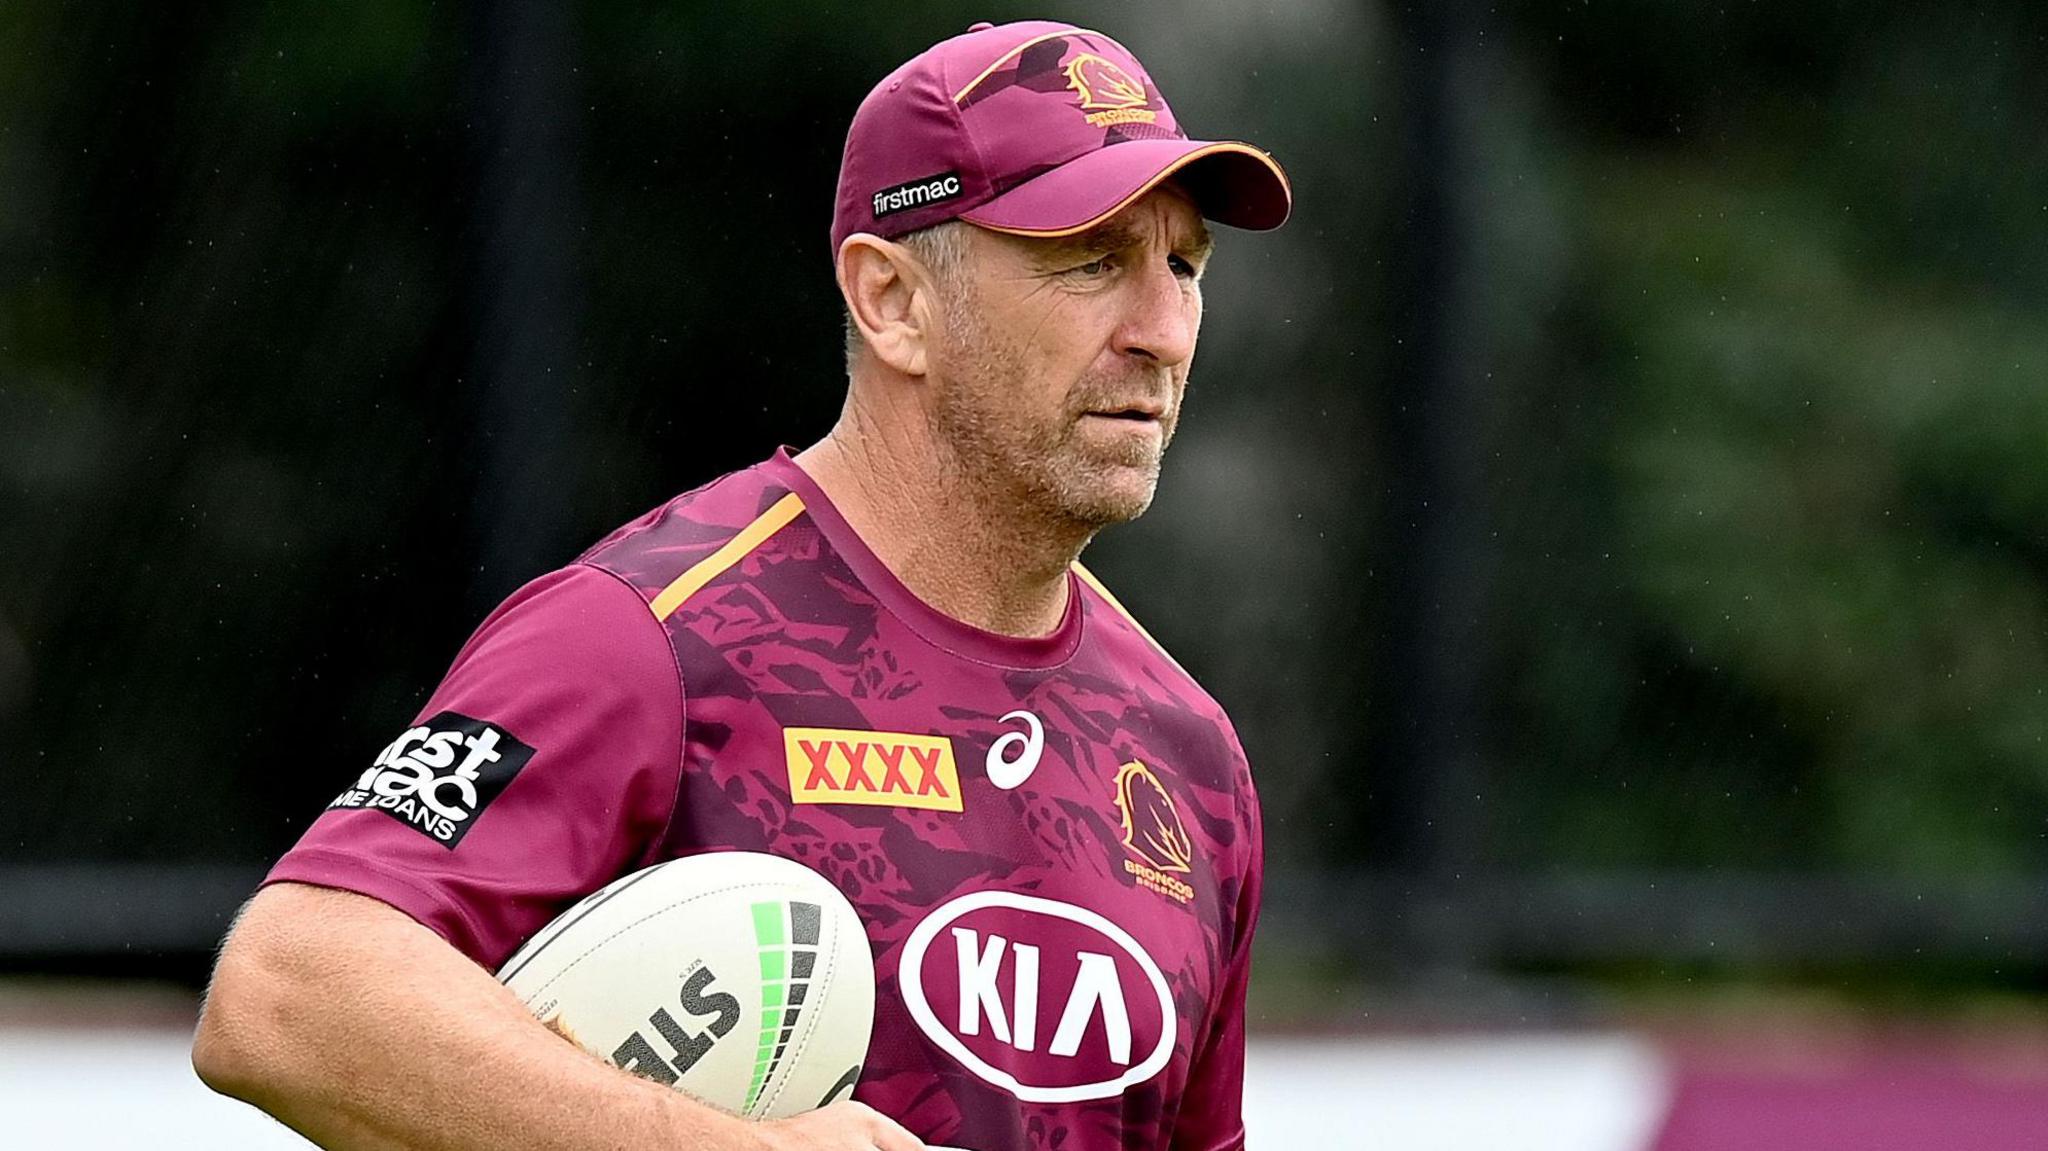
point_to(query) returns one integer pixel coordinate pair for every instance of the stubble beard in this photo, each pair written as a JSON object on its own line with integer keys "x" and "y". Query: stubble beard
{"x": 1028, "y": 464}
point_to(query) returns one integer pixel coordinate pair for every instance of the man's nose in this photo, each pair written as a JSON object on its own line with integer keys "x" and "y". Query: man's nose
{"x": 1161, "y": 315}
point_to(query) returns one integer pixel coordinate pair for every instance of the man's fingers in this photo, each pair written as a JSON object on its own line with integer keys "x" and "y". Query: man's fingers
{"x": 890, "y": 1135}
{"x": 842, "y": 1126}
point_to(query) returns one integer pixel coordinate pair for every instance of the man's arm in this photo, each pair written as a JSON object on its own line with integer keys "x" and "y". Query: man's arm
{"x": 359, "y": 1028}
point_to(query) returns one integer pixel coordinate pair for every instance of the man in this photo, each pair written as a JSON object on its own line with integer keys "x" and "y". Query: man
{"x": 1019, "y": 239}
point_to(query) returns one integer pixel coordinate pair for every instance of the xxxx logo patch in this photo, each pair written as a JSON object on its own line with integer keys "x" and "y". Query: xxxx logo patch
{"x": 875, "y": 768}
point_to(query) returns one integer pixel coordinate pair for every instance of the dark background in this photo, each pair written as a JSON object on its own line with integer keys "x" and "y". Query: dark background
{"x": 1612, "y": 509}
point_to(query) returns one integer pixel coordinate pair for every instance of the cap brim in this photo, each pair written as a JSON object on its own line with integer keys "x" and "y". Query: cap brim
{"x": 1232, "y": 183}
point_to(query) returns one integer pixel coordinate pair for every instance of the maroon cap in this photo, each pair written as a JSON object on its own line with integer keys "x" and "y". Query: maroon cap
{"x": 1036, "y": 128}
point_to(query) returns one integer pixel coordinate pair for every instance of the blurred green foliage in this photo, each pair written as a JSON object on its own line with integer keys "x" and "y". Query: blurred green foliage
{"x": 1797, "y": 616}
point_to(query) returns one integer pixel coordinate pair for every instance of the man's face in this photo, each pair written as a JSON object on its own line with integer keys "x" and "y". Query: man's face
{"x": 1059, "y": 369}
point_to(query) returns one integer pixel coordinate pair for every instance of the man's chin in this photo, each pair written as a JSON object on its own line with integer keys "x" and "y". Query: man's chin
{"x": 1110, "y": 495}
{"x": 1123, "y": 511}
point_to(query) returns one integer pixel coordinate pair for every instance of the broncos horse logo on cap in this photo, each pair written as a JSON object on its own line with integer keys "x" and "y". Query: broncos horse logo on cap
{"x": 1107, "y": 93}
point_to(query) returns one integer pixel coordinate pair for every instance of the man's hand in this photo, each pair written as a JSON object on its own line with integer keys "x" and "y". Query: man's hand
{"x": 363, "y": 1030}
{"x": 843, "y": 1126}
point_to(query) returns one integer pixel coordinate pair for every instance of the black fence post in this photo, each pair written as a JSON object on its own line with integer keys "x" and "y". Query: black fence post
{"x": 525, "y": 290}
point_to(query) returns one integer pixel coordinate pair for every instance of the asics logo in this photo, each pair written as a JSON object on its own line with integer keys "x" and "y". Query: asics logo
{"x": 1014, "y": 756}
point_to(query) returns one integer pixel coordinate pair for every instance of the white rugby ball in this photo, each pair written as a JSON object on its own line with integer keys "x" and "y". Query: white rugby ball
{"x": 741, "y": 978}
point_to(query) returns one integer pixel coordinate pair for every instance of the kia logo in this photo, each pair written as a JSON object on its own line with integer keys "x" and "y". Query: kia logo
{"x": 1049, "y": 1001}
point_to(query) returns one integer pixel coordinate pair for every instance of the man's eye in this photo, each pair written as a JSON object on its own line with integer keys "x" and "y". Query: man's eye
{"x": 1181, "y": 267}
{"x": 1095, "y": 267}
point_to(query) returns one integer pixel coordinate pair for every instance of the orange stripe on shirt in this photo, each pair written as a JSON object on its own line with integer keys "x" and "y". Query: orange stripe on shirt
{"x": 1088, "y": 577}
{"x": 710, "y": 567}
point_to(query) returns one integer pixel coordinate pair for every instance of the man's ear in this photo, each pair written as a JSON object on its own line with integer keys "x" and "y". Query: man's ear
{"x": 891, "y": 299}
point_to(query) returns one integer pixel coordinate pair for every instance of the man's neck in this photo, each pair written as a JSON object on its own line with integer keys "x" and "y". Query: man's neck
{"x": 966, "y": 551}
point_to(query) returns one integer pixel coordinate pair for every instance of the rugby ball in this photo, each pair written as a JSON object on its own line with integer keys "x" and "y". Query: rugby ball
{"x": 741, "y": 978}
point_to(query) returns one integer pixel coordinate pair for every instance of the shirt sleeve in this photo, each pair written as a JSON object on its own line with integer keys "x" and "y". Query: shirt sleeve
{"x": 544, "y": 765}
{"x": 1212, "y": 1107}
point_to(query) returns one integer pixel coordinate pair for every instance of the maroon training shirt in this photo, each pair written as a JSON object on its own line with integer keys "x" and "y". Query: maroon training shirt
{"x": 1054, "y": 842}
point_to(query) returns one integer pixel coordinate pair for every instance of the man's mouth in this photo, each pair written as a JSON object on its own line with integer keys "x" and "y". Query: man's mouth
{"x": 1141, "y": 413}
